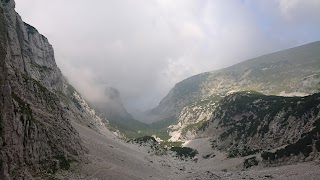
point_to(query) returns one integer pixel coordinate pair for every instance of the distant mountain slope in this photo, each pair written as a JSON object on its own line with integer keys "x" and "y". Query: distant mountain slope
{"x": 290, "y": 72}
{"x": 245, "y": 123}
{"x": 118, "y": 118}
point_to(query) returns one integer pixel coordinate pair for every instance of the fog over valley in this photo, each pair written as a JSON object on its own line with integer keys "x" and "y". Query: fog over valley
{"x": 144, "y": 47}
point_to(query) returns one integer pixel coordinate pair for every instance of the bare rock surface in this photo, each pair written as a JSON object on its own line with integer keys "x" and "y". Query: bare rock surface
{"x": 36, "y": 135}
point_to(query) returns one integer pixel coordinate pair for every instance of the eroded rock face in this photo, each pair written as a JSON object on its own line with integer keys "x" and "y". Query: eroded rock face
{"x": 36, "y": 103}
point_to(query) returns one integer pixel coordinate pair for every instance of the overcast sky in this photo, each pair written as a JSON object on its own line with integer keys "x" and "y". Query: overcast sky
{"x": 144, "y": 47}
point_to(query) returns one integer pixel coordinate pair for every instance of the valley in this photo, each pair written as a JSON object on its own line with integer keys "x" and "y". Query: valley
{"x": 258, "y": 119}
{"x": 111, "y": 158}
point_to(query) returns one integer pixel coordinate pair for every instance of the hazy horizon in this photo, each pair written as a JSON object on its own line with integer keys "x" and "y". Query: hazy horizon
{"x": 143, "y": 48}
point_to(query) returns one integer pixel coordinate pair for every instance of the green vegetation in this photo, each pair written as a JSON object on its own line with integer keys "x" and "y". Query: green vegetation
{"x": 161, "y": 133}
{"x": 145, "y": 139}
{"x": 160, "y": 129}
{"x": 164, "y": 123}
{"x": 130, "y": 133}
{"x": 246, "y": 151}
{"x": 259, "y": 110}
{"x": 132, "y": 128}
{"x": 303, "y": 146}
{"x": 169, "y": 144}
{"x": 250, "y": 162}
{"x": 184, "y": 152}
{"x": 193, "y": 127}
{"x": 64, "y": 163}
{"x": 51, "y": 166}
{"x": 187, "y": 88}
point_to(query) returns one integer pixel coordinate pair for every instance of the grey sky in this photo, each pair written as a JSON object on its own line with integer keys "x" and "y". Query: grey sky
{"x": 144, "y": 47}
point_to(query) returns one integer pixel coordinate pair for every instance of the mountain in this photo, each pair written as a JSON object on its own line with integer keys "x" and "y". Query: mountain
{"x": 292, "y": 72}
{"x": 118, "y": 117}
{"x": 37, "y": 104}
{"x": 246, "y": 123}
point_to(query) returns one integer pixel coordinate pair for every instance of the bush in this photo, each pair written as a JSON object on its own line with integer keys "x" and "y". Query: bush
{"x": 185, "y": 151}
{"x": 250, "y": 162}
{"x": 63, "y": 162}
{"x": 144, "y": 139}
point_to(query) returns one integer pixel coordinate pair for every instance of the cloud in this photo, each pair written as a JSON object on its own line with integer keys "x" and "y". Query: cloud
{"x": 144, "y": 47}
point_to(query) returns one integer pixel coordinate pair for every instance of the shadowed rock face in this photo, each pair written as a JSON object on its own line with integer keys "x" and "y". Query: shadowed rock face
{"x": 35, "y": 128}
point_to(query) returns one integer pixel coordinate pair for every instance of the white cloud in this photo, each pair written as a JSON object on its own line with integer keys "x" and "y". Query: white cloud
{"x": 144, "y": 47}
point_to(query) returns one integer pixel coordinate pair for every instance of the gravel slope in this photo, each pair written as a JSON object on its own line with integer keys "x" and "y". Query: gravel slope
{"x": 111, "y": 158}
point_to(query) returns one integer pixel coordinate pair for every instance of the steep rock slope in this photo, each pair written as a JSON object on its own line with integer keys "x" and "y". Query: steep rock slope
{"x": 245, "y": 123}
{"x": 290, "y": 72}
{"x": 36, "y": 103}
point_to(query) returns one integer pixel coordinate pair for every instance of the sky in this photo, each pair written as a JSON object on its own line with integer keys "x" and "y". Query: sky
{"x": 144, "y": 47}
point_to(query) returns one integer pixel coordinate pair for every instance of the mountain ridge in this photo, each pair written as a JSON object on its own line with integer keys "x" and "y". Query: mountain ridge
{"x": 290, "y": 72}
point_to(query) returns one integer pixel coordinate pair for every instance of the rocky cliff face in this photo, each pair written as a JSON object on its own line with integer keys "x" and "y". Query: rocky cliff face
{"x": 246, "y": 123}
{"x": 36, "y": 104}
{"x": 293, "y": 72}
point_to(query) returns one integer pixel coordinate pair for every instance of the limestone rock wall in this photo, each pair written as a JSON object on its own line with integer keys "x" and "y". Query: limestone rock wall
{"x": 35, "y": 127}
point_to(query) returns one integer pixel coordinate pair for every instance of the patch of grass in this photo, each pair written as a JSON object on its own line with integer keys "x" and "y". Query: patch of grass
{"x": 164, "y": 123}
{"x": 171, "y": 144}
{"x": 185, "y": 152}
{"x": 192, "y": 127}
{"x": 161, "y": 133}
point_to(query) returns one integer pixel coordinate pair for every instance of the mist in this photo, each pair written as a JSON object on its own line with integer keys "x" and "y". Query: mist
{"x": 143, "y": 47}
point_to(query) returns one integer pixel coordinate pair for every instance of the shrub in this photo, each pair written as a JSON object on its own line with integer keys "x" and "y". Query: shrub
{"x": 184, "y": 151}
{"x": 144, "y": 139}
{"x": 63, "y": 162}
{"x": 250, "y": 162}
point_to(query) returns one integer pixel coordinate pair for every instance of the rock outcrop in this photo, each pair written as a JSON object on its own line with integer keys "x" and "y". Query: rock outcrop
{"x": 36, "y": 104}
